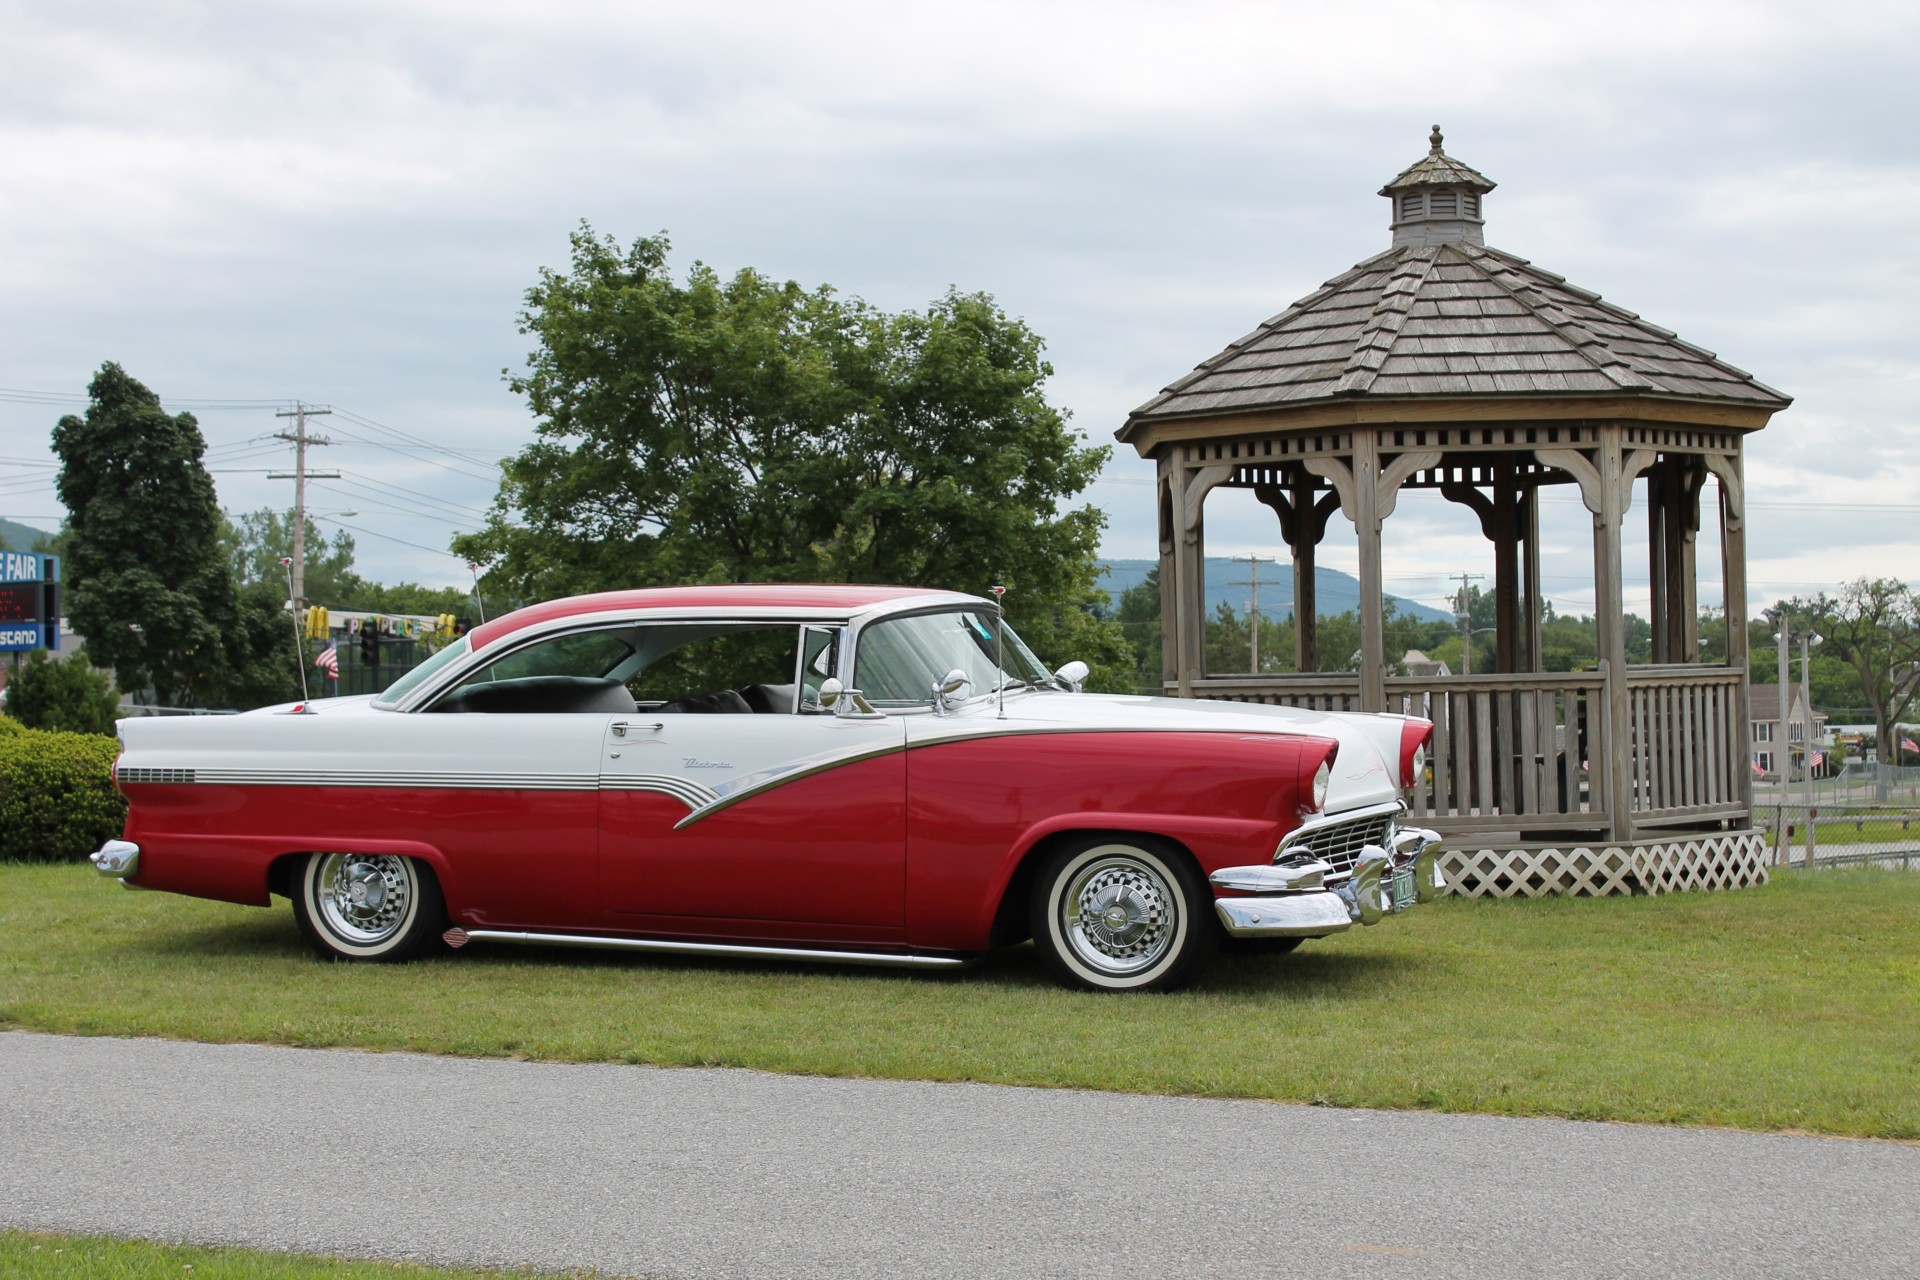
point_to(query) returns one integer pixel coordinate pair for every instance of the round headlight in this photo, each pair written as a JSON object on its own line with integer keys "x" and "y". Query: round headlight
{"x": 1321, "y": 776}
{"x": 1418, "y": 768}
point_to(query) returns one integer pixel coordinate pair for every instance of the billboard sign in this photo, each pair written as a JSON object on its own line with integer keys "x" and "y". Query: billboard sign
{"x": 29, "y": 601}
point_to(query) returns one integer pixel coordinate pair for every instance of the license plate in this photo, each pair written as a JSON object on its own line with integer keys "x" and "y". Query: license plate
{"x": 1403, "y": 888}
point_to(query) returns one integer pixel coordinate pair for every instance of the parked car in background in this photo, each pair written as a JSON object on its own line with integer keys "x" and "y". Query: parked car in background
{"x": 869, "y": 775}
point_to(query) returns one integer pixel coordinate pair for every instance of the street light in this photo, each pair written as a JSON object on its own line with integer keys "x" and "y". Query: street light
{"x": 1466, "y": 646}
{"x": 1806, "y": 696}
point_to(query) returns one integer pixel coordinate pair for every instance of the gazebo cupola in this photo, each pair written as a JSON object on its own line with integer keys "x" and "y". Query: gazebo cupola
{"x": 1448, "y": 365}
{"x": 1436, "y": 200}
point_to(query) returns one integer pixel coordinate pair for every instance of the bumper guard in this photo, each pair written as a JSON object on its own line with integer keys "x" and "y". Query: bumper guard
{"x": 1296, "y": 901}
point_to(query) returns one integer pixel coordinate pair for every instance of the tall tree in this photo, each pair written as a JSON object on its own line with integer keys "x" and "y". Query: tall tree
{"x": 749, "y": 430}
{"x": 1874, "y": 624}
{"x": 147, "y": 583}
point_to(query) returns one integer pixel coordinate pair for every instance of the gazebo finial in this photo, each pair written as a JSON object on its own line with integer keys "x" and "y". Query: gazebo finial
{"x": 1433, "y": 142}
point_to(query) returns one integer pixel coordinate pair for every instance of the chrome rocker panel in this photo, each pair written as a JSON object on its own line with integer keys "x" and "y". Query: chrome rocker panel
{"x": 1295, "y": 901}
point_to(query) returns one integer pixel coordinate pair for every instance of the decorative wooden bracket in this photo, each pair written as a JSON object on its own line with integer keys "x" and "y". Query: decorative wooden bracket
{"x": 1630, "y": 468}
{"x": 1581, "y": 468}
{"x": 1340, "y": 475}
{"x": 1193, "y": 494}
{"x": 1395, "y": 474}
{"x": 1310, "y": 519}
{"x": 1733, "y": 494}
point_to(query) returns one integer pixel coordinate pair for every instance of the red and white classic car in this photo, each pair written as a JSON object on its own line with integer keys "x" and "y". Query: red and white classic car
{"x": 871, "y": 775}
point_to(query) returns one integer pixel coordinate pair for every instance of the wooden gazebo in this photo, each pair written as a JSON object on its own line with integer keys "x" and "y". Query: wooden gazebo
{"x": 1444, "y": 364}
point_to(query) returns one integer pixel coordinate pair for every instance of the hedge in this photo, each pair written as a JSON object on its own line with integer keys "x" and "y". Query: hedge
{"x": 57, "y": 798}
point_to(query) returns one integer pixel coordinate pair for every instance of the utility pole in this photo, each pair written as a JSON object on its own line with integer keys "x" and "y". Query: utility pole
{"x": 1253, "y": 609}
{"x": 299, "y": 438}
{"x": 1465, "y": 614}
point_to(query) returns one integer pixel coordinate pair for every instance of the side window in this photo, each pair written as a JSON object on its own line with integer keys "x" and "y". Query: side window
{"x": 578, "y": 672}
{"x": 702, "y": 668}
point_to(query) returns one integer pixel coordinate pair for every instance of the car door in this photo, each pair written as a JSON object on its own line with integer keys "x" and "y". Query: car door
{"x": 770, "y": 824}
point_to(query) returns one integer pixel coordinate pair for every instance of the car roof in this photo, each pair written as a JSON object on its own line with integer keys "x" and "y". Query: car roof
{"x": 833, "y": 598}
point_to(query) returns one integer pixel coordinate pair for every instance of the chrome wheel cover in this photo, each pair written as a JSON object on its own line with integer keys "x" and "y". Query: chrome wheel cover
{"x": 363, "y": 899}
{"x": 1119, "y": 915}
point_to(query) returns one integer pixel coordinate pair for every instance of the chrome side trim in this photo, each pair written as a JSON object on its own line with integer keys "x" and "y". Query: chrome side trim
{"x": 117, "y": 858}
{"x": 1302, "y": 915}
{"x": 881, "y": 959}
{"x": 691, "y": 794}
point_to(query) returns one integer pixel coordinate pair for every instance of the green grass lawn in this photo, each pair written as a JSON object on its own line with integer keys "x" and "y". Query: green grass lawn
{"x": 1795, "y": 1006}
{"x": 33, "y": 1255}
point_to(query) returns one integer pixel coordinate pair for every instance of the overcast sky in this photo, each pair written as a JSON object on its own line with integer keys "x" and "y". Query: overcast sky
{"x": 345, "y": 203}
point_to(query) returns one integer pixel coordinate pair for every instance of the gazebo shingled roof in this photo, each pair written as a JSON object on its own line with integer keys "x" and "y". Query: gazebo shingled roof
{"x": 1444, "y": 320}
{"x": 1445, "y": 364}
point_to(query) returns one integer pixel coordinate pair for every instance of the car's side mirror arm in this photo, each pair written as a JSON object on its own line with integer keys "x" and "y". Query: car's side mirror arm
{"x": 848, "y": 704}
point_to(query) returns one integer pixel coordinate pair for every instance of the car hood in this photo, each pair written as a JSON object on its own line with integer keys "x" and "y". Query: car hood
{"x": 1366, "y": 771}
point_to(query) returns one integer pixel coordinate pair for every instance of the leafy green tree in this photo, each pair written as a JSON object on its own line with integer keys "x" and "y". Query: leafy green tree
{"x": 1138, "y": 614}
{"x": 67, "y": 695}
{"x": 146, "y": 583}
{"x": 256, "y": 542}
{"x": 1874, "y": 625}
{"x": 744, "y": 429}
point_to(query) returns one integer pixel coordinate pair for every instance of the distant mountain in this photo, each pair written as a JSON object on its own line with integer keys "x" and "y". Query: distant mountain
{"x": 19, "y": 537}
{"x": 1334, "y": 592}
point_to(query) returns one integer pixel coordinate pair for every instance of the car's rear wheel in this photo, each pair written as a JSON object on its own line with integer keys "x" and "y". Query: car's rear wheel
{"x": 356, "y": 906}
{"x": 1122, "y": 913}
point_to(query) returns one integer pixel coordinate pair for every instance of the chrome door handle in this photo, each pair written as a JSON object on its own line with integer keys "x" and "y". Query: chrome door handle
{"x": 620, "y": 727}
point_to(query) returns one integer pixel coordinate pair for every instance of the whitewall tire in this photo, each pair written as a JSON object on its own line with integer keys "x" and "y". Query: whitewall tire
{"x": 1122, "y": 913}
{"x": 378, "y": 907}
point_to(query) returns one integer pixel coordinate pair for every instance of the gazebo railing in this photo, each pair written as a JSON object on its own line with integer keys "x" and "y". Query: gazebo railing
{"x": 1508, "y": 750}
{"x": 1526, "y": 753}
{"x": 1688, "y": 761}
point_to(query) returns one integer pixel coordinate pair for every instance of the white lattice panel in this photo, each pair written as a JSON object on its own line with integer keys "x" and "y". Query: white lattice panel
{"x": 1720, "y": 860}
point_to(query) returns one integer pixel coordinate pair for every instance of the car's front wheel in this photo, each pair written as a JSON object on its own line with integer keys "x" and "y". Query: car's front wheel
{"x": 1122, "y": 913}
{"x": 356, "y": 906}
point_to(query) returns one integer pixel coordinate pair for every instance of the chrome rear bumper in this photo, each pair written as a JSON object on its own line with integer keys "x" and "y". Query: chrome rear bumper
{"x": 1296, "y": 901}
{"x": 117, "y": 858}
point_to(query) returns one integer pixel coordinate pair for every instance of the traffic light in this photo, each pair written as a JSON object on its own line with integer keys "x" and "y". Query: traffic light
{"x": 370, "y": 642}
{"x": 461, "y": 626}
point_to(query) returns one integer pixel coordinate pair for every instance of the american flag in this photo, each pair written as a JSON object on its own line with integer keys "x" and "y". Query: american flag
{"x": 1908, "y": 744}
{"x": 329, "y": 658}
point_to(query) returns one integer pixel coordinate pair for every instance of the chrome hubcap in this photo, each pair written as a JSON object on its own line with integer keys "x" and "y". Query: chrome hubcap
{"x": 1119, "y": 915}
{"x": 363, "y": 898}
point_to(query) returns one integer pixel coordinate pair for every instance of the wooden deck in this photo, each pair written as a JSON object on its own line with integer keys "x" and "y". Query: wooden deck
{"x": 1529, "y": 754}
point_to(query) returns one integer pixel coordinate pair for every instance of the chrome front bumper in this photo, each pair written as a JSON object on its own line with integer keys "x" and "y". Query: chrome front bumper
{"x": 1297, "y": 902}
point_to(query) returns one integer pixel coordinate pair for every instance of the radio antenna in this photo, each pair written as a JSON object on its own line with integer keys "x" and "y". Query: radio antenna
{"x": 1000, "y": 651}
{"x": 293, "y": 613}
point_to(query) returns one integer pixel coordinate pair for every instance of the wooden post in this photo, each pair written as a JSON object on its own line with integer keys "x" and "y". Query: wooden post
{"x": 1506, "y": 568}
{"x": 1733, "y": 573}
{"x": 1168, "y": 492}
{"x": 1610, "y": 632}
{"x": 1309, "y": 524}
{"x": 1373, "y": 640}
{"x": 1531, "y": 521}
{"x": 1659, "y": 567}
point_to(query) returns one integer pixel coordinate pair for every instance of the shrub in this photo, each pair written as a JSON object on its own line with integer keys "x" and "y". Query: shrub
{"x": 57, "y": 798}
{"x": 9, "y": 727}
{"x": 51, "y": 693}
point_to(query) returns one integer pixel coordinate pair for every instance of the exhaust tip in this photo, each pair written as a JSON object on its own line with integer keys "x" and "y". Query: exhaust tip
{"x": 455, "y": 937}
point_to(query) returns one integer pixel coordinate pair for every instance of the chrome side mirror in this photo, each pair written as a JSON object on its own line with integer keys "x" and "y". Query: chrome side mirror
{"x": 1074, "y": 674}
{"x": 951, "y": 690}
{"x": 846, "y": 703}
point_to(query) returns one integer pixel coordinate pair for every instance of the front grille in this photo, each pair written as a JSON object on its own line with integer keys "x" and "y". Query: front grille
{"x": 1338, "y": 843}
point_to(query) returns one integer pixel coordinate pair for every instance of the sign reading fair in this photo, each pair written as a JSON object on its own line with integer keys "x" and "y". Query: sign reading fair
{"x": 29, "y": 601}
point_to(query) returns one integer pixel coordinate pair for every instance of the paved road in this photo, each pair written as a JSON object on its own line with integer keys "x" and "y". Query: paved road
{"x": 735, "y": 1173}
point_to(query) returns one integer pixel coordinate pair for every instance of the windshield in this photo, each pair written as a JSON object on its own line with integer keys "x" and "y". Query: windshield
{"x": 399, "y": 689}
{"x": 899, "y": 659}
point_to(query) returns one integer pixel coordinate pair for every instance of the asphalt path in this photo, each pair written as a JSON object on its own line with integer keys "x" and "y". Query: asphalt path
{"x": 641, "y": 1171}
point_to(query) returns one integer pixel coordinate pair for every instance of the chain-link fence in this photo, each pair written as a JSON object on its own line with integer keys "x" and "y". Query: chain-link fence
{"x": 1839, "y": 834}
{"x": 1854, "y": 783}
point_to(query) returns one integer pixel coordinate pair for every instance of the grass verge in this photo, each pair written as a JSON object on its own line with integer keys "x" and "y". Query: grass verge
{"x": 35, "y": 1255}
{"x": 1795, "y": 1006}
